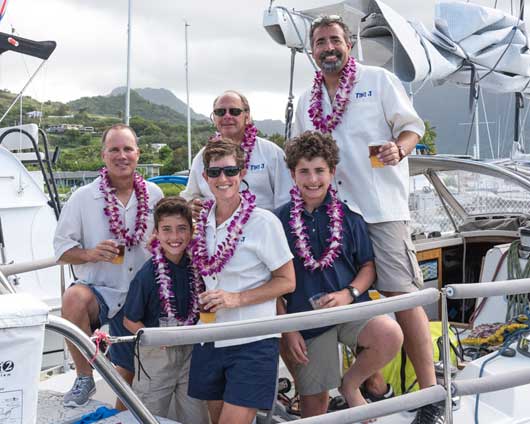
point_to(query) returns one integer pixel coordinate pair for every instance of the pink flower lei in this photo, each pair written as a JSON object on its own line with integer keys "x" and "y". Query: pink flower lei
{"x": 247, "y": 144}
{"x": 112, "y": 211}
{"x": 224, "y": 251}
{"x": 165, "y": 287}
{"x": 328, "y": 123}
{"x": 299, "y": 230}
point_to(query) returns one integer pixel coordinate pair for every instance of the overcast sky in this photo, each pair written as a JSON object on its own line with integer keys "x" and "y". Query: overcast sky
{"x": 228, "y": 48}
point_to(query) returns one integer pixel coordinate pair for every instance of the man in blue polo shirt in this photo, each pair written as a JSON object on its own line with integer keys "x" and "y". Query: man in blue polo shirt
{"x": 332, "y": 255}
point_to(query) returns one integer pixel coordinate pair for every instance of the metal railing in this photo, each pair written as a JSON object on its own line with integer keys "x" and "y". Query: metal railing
{"x": 103, "y": 366}
{"x": 21, "y": 267}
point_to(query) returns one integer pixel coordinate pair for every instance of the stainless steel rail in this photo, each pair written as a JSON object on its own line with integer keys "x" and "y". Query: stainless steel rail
{"x": 493, "y": 288}
{"x": 22, "y": 267}
{"x": 491, "y": 383}
{"x": 380, "y": 409}
{"x": 280, "y": 324}
{"x": 103, "y": 366}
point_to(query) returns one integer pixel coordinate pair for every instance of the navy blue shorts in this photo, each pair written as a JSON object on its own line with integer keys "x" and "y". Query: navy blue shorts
{"x": 243, "y": 375}
{"x": 121, "y": 354}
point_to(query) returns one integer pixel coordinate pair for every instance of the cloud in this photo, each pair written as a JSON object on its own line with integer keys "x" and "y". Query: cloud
{"x": 228, "y": 48}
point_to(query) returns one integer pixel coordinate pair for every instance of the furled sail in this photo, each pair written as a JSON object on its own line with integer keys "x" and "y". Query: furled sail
{"x": 469, "y": 44}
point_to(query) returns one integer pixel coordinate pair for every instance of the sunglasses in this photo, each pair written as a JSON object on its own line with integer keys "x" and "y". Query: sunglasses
{"x": 229, "y": 171}
{"x": 327, "y": 18}
{"x": 234, "y": 111}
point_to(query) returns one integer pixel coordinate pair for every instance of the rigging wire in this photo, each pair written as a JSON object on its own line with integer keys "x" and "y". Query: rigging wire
{"x": 470, "y": 130}
{"x": 505, "y": 134}
{"x": 487, "y": 126}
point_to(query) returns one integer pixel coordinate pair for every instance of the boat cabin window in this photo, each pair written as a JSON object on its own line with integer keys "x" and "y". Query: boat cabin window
{"x": 427, "y": 213}
{"x": 481, "y": 194}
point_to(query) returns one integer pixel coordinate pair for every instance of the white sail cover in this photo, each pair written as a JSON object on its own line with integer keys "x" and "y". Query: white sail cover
{"x": 467, "y": 39}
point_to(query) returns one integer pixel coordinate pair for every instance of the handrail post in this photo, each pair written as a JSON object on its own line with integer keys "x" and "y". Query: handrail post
{"x": 5, "y": 285}
{"x": 446, "y": 359}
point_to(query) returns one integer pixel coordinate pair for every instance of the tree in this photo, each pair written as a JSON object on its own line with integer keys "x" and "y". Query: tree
{"x": 429, "y": 138}
{"x": 278, "y": 139}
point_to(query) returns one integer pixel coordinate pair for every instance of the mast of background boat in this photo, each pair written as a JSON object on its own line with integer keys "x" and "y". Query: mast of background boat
{"x": 186, "y": 25}
{"x": 128, "y": 85}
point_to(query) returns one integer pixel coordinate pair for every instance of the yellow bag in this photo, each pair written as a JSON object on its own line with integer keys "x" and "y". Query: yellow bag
{"x": 399, "y": 372}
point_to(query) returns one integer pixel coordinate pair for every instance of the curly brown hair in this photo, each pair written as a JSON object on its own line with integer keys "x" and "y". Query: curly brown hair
{"x": 310, "y": 145}
{"x": 172, "y": 205}
{"x": 217, "y": 149}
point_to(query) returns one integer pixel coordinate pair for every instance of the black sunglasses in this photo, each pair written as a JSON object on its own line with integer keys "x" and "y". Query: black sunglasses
{"x": 229, "y": 171}
{"x": 234, "y": 111}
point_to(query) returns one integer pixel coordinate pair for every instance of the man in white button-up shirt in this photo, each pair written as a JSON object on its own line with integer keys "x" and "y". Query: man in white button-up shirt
{"x": 247, "y": 264}
{"x": 372, "y": 106}
{"x": 83, "y": 239}
{"x": 267, "y": 175}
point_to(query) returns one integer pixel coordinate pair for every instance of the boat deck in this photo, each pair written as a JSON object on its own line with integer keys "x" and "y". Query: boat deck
{"x": 51, "y": 411}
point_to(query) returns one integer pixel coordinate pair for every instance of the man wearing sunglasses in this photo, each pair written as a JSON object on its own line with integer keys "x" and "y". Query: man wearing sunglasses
{"x": 266, "y": 173}
{"x": 359, "y": 105}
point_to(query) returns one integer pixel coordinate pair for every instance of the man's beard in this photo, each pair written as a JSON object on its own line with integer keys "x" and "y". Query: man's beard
{"x": 331, "y": 67}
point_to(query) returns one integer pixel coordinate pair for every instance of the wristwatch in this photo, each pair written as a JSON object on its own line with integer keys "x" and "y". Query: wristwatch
{"x": 354, "y": 293}
{"x": 401, "y": 151}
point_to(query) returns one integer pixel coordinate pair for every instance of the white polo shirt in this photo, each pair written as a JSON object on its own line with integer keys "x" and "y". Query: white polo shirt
{"x": 267, "y": 176}
{"x": 379, "y": 110}
{"x": 261, "y": 249}
{"x": 83, "y": 224}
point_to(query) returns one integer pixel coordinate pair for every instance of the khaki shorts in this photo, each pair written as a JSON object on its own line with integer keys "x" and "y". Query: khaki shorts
{"x": 323, "y": 373}
{"x": 395, "y": 258}
{"x": 168, "y": 368}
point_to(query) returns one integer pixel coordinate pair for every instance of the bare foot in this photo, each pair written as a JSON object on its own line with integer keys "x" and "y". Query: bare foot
{"x": 354, "y": 398}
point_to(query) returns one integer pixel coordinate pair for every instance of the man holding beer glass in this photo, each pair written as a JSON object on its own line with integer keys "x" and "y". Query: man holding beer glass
{"x": 368, "y": 113}
{"x": 102, "y": 232}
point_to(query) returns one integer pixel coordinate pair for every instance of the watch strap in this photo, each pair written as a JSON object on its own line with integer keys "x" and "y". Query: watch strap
{"x": 401, "y": 151}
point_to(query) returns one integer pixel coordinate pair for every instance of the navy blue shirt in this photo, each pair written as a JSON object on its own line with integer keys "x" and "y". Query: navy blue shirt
{"x": 356, "y": 250}
{"x": 143, "y": 301}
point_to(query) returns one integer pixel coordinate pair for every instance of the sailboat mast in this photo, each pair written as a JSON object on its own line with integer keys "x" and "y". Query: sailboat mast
{"x": 128, "y": 85}
{"x": 186, "y": 25}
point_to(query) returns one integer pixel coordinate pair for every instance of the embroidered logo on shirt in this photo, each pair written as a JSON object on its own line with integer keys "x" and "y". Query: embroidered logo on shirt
{"x": 256, "y": 167}
{"x": 241, "y": 239}
{"x": 363, "y": 94}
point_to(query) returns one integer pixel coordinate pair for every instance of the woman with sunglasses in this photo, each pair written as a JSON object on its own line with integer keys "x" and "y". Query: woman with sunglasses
{"x": 267, "y": 175}
{"x": 244, "y": 258}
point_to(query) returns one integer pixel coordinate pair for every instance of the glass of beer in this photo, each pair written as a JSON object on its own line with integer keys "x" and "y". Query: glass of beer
{"x": 205, "y": 315}
{"x": 316, "y": 300}
{"x": 118, "y": 260}
{"x": 373, "y": 148}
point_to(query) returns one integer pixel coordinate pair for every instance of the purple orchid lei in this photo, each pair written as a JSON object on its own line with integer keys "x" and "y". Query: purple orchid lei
{"x": 224, "y": 251}
{"x": 165, "y": 289}
{"x": 112, "y": 211}
{"x": 299, "y": 230}
{"x": 328, "y": 123}
{"x": 247, "y": 144}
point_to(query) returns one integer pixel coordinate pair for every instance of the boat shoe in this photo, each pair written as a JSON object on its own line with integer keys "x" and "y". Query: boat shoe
{"x": 80, "y": 393}
{"x": 430, "y": 414}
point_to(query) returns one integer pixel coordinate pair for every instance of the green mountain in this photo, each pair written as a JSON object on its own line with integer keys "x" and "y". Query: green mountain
{"x": 115, "y": 105}
{"x": 164, "y": 97}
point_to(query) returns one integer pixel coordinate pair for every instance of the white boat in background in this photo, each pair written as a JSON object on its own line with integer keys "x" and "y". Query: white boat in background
{"x": 464, "y": 214}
